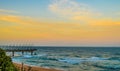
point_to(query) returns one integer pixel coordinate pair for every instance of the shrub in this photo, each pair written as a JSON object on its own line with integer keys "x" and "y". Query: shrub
{"x": 6, "y": 62}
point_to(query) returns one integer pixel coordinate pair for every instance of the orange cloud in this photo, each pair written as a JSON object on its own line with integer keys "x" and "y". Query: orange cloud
{"x": 8, "y": 11}
{"x": 27, "y": 28}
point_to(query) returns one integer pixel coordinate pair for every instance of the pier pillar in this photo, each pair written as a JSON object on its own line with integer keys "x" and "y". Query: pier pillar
{"x": 12, "y": 53}
{"x": 22, "y": 52}
{"x": 31, "y": 52}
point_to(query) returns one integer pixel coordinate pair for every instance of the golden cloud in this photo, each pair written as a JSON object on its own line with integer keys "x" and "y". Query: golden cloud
{"x": 8, "y": 11}
{"x": 30, "y": 28}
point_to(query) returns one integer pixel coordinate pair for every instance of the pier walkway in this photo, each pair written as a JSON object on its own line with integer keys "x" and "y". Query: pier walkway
{"x": 22, "y": 49}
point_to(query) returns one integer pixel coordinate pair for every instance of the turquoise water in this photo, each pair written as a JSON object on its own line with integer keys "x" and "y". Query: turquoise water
{"x": 73, "y": 58}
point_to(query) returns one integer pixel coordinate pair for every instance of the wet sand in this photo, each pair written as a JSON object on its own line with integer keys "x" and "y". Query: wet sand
{"x": 32, "y": 68}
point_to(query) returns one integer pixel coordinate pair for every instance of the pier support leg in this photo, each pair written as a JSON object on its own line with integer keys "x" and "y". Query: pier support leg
{"x": 31, "y": 52}
{"x": 12, "y": 53}
{"x": 22, "y": 52}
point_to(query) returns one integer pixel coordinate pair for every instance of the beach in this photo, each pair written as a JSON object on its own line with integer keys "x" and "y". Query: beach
{"x": 32, "y": 68}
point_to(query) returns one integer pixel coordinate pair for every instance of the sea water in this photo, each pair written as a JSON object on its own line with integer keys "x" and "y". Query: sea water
{"x": 73, "y": 58}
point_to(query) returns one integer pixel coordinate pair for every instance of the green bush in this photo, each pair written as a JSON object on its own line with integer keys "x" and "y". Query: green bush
{"x": 6, "y": 62}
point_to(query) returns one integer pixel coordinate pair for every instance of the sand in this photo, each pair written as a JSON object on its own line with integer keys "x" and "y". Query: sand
{"x": 32, "y": 68}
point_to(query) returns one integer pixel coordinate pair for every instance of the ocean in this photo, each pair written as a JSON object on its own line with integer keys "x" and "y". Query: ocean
{"x": 73, "y": 58}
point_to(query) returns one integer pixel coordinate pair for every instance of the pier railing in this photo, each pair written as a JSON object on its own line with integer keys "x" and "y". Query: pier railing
{"x": 22, "y": 49}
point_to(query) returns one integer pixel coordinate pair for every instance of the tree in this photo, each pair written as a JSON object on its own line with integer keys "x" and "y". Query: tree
{"x": 6, "y": 62}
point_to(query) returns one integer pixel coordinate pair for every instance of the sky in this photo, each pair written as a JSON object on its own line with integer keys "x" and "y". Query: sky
{"x": 60, "y": 22}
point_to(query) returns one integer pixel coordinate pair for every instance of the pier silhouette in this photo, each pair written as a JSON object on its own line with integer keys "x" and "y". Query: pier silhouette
{"x": 21, "y": 49}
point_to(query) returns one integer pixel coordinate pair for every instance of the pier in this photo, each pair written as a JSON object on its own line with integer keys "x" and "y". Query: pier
{"x": 21, "y": 49}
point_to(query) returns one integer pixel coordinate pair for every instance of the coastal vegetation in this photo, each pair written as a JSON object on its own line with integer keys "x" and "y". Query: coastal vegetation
{"x": 6, "y": 62}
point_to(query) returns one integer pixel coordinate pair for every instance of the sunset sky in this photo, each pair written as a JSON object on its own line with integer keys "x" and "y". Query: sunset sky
{"x": 60, "y": 22}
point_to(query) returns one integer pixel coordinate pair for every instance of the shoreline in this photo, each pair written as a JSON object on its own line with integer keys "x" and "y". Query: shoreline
{"x": 32, "y": 68}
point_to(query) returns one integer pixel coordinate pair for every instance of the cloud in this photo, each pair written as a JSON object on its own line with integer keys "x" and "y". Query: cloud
{"x": 118, "y": 13}
{"x": 19, "y": 20}
{"x": 71, "y": 9}
{"x": 7, "y": 11}
{"x": 28, "y": 28}
{"x": 81, "y": 13}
